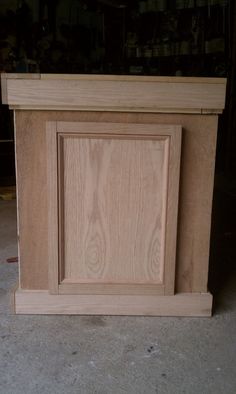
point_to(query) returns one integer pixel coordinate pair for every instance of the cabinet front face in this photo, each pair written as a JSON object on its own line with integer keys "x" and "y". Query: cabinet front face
{"x": 113, "y": 196}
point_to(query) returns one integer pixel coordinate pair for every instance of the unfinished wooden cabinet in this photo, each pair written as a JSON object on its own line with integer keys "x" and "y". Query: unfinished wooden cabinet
{"x": 109, "y": 221}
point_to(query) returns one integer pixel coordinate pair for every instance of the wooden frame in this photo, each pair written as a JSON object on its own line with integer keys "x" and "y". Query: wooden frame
{"x": 56, "y": 132}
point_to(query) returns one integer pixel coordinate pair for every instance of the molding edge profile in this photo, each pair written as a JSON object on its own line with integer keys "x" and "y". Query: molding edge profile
{"x": 41, "y": 302}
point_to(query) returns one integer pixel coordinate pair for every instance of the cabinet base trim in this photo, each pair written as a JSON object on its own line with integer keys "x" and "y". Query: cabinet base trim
{"x": 41, "y": 302}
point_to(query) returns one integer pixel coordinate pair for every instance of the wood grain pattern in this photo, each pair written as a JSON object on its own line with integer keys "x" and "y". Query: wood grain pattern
{"x": 195, "y": 196}
{"x": 117, "y": 93}
{"x": 99, "y": 287}
{"x": 114, "y": 195}
{"x": 113, "y": 191}
{"x": 41, "y": 302}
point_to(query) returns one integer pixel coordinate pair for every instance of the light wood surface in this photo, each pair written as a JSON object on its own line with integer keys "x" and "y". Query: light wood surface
{"x": 115, "y": 93}
{"x": 41, "y": 302}
{"x": 195, "y": 196}
{"x": 198, "y": 111}
{"x": 100, "y": 77}
{"x": 100, "y": 287}
{"x": 118, "y": 201}
{"x": 114, "y": 196}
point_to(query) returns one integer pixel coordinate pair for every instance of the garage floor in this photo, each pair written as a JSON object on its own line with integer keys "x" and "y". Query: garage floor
{"x": 114, "y": 355}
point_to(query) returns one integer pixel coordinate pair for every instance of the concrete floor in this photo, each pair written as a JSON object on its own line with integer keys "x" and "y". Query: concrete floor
{"x": 115, "y": 355}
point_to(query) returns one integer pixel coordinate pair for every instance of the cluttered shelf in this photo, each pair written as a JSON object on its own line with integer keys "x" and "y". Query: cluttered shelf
{"x": 106, "y": 36}
{"x": 183, "y": 32}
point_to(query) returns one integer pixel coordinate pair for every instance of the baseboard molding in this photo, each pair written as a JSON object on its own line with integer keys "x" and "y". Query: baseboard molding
{"x": 41, "y": 302}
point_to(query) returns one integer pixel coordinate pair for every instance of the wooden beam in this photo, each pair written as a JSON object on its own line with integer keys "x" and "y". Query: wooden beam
{"x": 116, "y": 93}
{"x": 41, "y": 302}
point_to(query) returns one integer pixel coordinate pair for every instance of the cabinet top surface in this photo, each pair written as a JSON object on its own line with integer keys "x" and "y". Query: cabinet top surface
{"x": 123, "y": 93}
{"x": 127, "y": 78}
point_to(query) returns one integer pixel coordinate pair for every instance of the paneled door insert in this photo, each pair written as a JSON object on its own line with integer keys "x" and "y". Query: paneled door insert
{"x": 113, "y": 202}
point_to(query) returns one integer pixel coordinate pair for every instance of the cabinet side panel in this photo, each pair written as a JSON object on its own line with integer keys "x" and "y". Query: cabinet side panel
{"x": 195, "y": 202}
{"x": 32, "y": 205}
{"x": 195, "y": 209}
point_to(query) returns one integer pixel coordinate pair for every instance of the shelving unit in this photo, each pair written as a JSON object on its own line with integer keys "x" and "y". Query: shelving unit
{"x": 182, "y": 38}
{"x": 151, "y": 37}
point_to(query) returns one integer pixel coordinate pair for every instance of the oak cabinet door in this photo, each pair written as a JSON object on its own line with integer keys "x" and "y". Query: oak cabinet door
{"x": 113, "y": 202}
